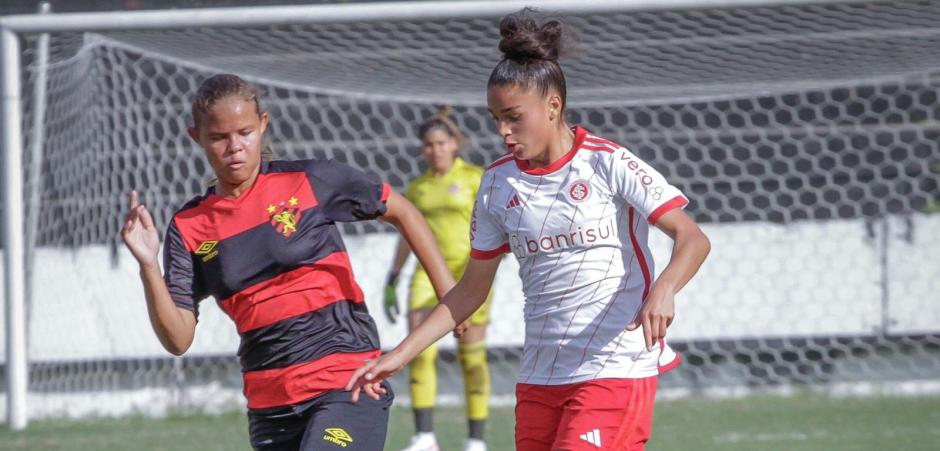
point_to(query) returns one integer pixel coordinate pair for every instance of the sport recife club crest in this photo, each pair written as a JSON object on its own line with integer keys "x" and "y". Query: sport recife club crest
{"x": 284, "y": 216}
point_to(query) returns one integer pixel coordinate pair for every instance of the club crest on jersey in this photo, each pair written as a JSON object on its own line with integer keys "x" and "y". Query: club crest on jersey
{"x": 284, "y": 216}
{"x": 578, "y": 191}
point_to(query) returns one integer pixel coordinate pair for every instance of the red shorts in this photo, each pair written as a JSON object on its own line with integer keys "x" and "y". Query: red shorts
{"x": 610, "y": 414}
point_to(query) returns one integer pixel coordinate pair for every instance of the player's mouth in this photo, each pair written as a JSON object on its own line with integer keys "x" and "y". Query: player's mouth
{"x": 234, "y": 165}
{"x": 512, "y": 147}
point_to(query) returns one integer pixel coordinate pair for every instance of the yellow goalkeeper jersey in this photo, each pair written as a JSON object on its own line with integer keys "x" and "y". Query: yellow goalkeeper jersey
{"x": 447, "y": 204}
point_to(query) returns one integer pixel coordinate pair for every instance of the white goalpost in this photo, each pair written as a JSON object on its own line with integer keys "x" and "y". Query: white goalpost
{"x": 804, "y": 132}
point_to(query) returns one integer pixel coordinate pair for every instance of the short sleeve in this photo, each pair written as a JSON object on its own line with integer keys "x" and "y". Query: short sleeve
{"x": 347, "y": 194}
{"x": 487, "y": 237}
{"x": 186, "y": 288}
{"x": 642, "y": 186}
{"x": 410, "y": 191}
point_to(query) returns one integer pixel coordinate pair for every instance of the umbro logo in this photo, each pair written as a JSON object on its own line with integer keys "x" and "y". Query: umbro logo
{"x": 593, "y": 437}
{"x": 207, "y": 249}
{"x": 337, "y": 436}
{"x": 513, "y": 202}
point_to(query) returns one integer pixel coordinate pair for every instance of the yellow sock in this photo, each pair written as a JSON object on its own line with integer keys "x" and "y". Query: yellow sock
{"x": 476, "y": 379}
{"x": 424, "y": 379}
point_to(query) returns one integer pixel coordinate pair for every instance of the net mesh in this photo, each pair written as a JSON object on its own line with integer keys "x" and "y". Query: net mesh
{"x": 806, "y": 137}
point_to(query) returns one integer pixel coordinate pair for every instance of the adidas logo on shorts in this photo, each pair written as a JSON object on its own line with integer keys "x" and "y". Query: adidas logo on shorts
{"x": 593, "y": 437}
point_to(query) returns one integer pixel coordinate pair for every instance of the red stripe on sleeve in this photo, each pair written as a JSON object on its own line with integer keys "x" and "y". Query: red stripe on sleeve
{"x": 487, "y": 255}
{"x": 293, "y": 293}
{"x": 386, "y": 191}
{"x": 671, "y": 204}
{"x": 297, "y": 383}
{"x": 641, "y": 258}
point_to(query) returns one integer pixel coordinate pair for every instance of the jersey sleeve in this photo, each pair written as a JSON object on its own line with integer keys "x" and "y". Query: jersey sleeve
{"x": 642, "y": 186}
{"x": 411, "y": 189}
{"x": 186, "y": 288}
{"x": 347, "y": 194}
{"x": 487, "y": 238}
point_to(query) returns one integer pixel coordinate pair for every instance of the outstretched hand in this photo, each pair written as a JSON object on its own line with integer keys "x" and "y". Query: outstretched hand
{"x": 140, "y": 234}
{"x": 655, "y": 315}
{"x": 369, "y": 377}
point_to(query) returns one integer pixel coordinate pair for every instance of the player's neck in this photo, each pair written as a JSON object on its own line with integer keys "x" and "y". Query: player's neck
{"x": 443, "y": 170}
{"x": 558, "y": 146}
{"x": 234, "y": 191}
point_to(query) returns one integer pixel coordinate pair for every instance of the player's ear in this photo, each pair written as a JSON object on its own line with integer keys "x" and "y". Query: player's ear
{"x": 193, "y": 133}
{"x": 554, "y": 107}
{"x": 264, "y": 121}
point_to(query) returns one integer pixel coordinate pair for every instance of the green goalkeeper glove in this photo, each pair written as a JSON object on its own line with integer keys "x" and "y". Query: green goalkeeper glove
{"x": 391, "y": 299}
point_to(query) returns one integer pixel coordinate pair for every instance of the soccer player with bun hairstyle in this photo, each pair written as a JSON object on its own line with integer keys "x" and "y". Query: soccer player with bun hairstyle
{"x": 445, "y": 195}
{"x": 575, "y": 210}
{"x": 263, "y": 242}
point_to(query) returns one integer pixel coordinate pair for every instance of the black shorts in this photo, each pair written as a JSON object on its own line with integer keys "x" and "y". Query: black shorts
{"x": 330, "y": 421}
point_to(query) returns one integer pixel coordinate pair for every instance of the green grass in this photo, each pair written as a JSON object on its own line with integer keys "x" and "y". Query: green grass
{"x": 755, "y": 423}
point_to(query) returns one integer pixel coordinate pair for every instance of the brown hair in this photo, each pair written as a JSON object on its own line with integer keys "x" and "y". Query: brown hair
{"x": 530, "y": 53}
{"x": 442, "y": 121}
{"x": 224, "y": 86}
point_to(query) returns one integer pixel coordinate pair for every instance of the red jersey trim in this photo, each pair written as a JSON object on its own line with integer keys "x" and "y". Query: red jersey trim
{"x": 671, "y": 204}
{"x": 491, "y": 254}
{"x": 386, "y": 191}
{"x": 296, "y": 383}
{"x": 305, "y": 289}
{"x": 671, "y": 365}
{"x": 579, "y": 134}
{"x": 217, "y": 218}
{"x": 506, "y": 158}
{"x": 641, "y": 259}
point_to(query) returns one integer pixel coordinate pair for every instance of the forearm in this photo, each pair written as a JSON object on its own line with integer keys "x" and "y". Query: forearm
{"x": 688, "y": 253}
{"x": 415, "y": 230}
{"x": 402, "y": 251}
{"x": 456, "y": 306}
{"x": 174, "y": 327}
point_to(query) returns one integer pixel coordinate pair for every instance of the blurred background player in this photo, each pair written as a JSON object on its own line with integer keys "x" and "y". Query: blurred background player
{"x": 263, "y": 242}
{"x": 575, "y": 210}
{"x": 444, "y": 194}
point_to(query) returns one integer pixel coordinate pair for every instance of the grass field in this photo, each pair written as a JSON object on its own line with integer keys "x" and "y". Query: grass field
{"x": 756, "y": 423}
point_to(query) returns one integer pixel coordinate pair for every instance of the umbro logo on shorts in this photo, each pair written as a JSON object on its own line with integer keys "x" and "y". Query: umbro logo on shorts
{"x": 593, "y": 437}
{"x": 337, "y": 436}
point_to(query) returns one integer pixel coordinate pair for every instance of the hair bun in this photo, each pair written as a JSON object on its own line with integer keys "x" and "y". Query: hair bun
{"x": 524, "y": 39}
{"x": 443, "y": 111}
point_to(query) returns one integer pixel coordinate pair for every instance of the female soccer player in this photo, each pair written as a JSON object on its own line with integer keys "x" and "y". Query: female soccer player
{"x": 444, "y": 195}
{"x": 575, "y": 210}
{"x": 263, "y": 241}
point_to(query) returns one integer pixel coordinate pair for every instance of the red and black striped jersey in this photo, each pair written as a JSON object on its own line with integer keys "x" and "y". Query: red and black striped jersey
{"x": 275, "y": 262}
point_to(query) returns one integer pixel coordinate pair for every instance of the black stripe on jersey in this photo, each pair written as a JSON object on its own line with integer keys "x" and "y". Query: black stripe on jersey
{"x": 186, "y": 284}
{"x": 341, "y": 327}
{"x": 344, "y": 193}
{"x": 260, "y": 253}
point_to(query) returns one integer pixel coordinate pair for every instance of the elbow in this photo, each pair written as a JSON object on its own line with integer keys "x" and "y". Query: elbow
{"x": 706, "y": 244}
{"x": 177, "y": 350}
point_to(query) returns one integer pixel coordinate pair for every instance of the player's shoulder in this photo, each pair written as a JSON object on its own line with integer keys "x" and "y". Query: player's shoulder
{"x": 282, "y": 166}
{"x": 191, "y": 208}
{"x": 468, "y": 172}
{"x": 501, "y": 164}
{"x": 599, "y": 145}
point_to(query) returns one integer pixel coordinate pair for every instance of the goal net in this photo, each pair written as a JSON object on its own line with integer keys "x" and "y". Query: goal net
{"x": 805, "y": 135}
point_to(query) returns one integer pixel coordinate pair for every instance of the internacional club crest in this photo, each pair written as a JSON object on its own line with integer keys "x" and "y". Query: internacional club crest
{"x": 579, "y": 191}
{"x": 284, "y": 216}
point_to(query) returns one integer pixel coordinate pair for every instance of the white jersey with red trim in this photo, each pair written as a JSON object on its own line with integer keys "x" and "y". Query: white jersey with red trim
{"x": 579, "y": 230}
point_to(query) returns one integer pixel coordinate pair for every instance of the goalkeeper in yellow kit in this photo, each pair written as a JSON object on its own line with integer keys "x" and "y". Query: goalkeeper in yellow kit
{"x": 444, "y": 194}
